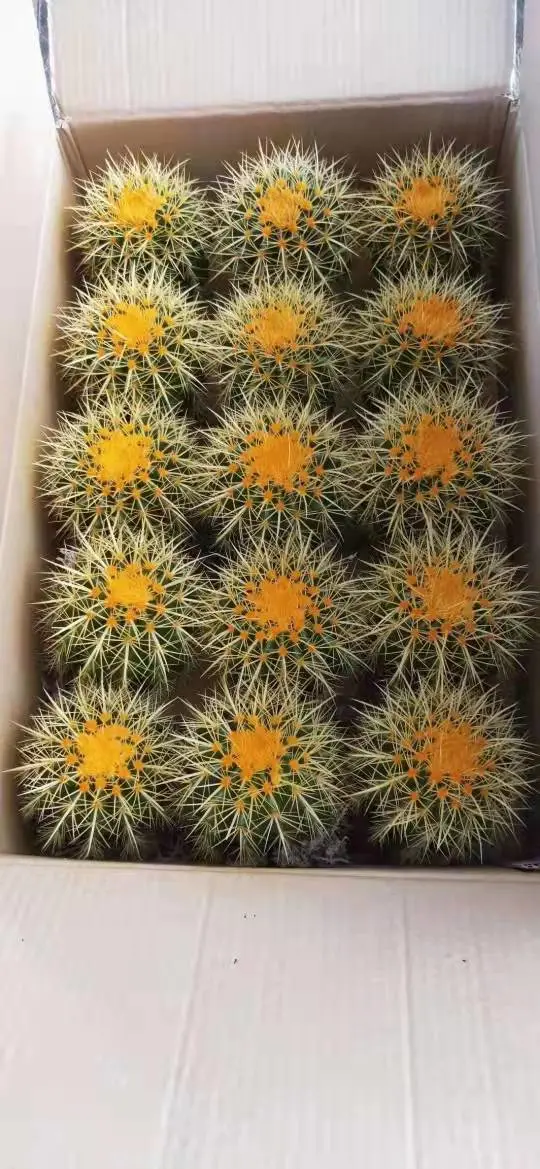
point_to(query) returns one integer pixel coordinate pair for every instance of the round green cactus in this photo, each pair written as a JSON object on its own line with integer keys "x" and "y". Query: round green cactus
{"x": 97, "y": 772}
{"x": 429, "y": 327}
{"x": 282, "y": 336}
{"x": 452, "y": 606}
{"x": 280, "y": 467}
{"x": 118, "y": 463}
{"x": 141, "y": 211}
{"x": 290, "y": 612}
{"x": 436, "y": 453}
{"x": 442, "y": 771}
{"x": 432, "y": 206}
{"x": 260, "y": 774}
{"x": 288, "y": 212}
{"x": 125, "y": 606}
{"x": 137, "y": 336}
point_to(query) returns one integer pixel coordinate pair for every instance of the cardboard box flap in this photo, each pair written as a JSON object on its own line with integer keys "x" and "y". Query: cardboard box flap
{"x": 157, "y": 1018}
{"x": 118, "y": 58}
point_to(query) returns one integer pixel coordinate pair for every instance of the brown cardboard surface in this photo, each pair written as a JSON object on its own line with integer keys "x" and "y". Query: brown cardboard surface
{"x": 359, "y": 130}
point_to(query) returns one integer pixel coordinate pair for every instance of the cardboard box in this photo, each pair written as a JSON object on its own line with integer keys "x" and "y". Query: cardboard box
{"x": 153, "y": 1018}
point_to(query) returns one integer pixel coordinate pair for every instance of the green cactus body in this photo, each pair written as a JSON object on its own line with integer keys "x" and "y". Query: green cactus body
{"x": 454, "y": 606}
{"x": 288, "y": 612}
{"x": 432, "y": 454}
{"x": 124, "y": 606}
{"x": 432, "y": 207}
{"x": 287, "y": 212}
{"x": 141, "y": 337}
{"x": 260, "y": 775}
{"x": 144, "y": 212}
{"x": 279, "y": 468}
{"x": 427, "y": 328}
{"x": 97, "y": 771}
{"x": 282, "y": 336}
{"x": 442, "y": 771}
{"x": 117, "y": 463}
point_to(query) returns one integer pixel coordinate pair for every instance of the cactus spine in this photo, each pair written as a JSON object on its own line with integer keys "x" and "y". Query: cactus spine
{"x": 435, "y": 454}
{"x": 290, "y": 612}
{"x": 442, "y": 771}
{"x": 286, "y": 212}
{"x": 277, "y": 468}
{"x": 282, "y": 336}
{"x": 144, "y": 212}
{"x": 97, "y": 772}
{"x": 138, "y": 336}
{"x": 427, "y": 328}
{"x": 124, "y": 606}
{"x": 118, "y": 463}
{"x": 260, "y": 774}
{"x": 432, "y": 207}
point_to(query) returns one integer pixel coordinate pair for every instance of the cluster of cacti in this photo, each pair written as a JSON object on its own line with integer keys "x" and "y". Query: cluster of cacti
{"x": 141, "y": 211}
{"x": 277, "y": 468}
{"x": 442, "y": 770}
{"x": 134, "y": 334}
{"x": 98, "y": 767}
{"x": 259, "y": 770}
{"x": 454, "y": 606}
{"x": 124, "y": 605}
{"x": 115, "y": 463}
{"x": 434, "y": 454}
{"x": 432, "y": 206}
{"x": 282, "y": 335}
{"x": 286, "y": 212}
{"x": 287, "y": 611}
{"x": 427, "y": 327}
{"x": 259, "y": 774}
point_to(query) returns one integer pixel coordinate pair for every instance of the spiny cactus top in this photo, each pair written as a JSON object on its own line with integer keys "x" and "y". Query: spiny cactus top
{"x": 454, "y": 605}
{"x": 432, "y": 206}
{"x": 141, "y": 211}
{"x": 289, "y": 611}
{"x": 283, "y": 335}
{"x": 97, "y": 770}
{"x": 118, "y": 462}
{"x": 425, "y": 327}
{"x": 141, "y": 337}
{"x": 124, "y": 605}
{"x": 287, "y": 211}
{"x": 260, "y": 774}
{"x": 277, "y": 468}
{"x": 441, "y": 770}
{"x": 437, "y": 453}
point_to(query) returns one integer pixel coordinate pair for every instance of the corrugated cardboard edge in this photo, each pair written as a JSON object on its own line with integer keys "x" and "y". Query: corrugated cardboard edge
{"x": 78, "y": 868}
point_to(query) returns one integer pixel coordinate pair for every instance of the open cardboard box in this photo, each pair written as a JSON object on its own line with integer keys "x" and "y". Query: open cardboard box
{"x": 160, "y": 1017}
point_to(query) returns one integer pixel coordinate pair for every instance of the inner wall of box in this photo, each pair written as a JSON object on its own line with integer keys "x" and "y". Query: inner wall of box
{"x": 32, "y": 392}
{"x": 521, "y": 288}
{"x": 361, "y": 133}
